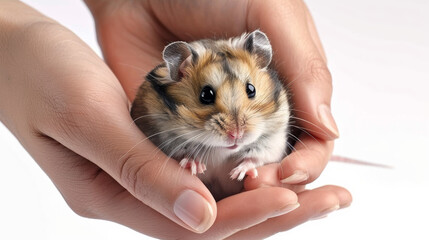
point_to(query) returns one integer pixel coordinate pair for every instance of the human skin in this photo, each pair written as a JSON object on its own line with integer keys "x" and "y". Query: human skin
{"x": 133, "y": 33}
{"x": 70, "y": 112}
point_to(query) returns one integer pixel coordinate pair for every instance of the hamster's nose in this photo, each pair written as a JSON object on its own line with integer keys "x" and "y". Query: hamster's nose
{"x": 234, "y": 134}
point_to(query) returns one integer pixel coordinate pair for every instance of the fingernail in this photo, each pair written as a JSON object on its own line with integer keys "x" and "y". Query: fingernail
{"x": 346, "y": 205}
{"x": 326, "y": 118}
{"x": 325, "y": 212}
{"x": 194, "y": 210}
{"x": 287, "y": 209}
{"x": 297, "y": 177}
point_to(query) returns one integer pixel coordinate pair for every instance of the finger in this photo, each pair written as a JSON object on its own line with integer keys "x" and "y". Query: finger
{"x": 136, "y": 57}
{"x": 306, "y": 162}
{"x": 313, "y": 33}
{"x": 100, "y": 129}
{"x": 302, "y": 166}
{"x": 344, "y": 196}
{"x": 299, "y": 61}
{"x": 92, "y": 199}
{"x": 314, "y": 204}
{"x": 99, "y": 196}
{"x": 260, "y": 205}
{"x": 90, "y": 192}
{"x": 268, "y": 176}
{"x": 233, "y": 215}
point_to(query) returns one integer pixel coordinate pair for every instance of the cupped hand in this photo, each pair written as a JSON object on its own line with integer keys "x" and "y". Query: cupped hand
{"x": 71, "y": 114}
{"x": 132, "y": 35}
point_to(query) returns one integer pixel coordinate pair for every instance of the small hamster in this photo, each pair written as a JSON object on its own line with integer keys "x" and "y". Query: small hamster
{"x": 218, "y": 108}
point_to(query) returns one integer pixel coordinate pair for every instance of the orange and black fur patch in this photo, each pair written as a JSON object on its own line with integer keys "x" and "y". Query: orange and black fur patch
{"x": 247, "y": 97}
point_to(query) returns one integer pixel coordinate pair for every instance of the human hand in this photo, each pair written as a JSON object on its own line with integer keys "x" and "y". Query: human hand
{"x": 71, "y": 114}
{"x": 132, "y": 35}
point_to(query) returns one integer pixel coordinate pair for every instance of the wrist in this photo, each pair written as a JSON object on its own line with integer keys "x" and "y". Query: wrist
{"x": 15, "y": 14}
{"x": 16, "y": 21}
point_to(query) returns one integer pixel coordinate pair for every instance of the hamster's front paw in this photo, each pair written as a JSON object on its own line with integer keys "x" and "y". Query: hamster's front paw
{"x": 246, "y": 167}
{"x": 195, "y": 166}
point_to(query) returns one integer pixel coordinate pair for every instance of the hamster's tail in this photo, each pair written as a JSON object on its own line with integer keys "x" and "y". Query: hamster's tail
{"x": 336, "y": 158}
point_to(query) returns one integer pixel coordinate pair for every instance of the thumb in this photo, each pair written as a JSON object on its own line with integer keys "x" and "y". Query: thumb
{"x": 103, "y": 132}
{"x": 301, "y": 62}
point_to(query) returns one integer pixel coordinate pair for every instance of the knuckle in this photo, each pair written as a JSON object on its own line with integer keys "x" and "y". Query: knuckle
{"x": 293, "y": 5}
{"x": 287, "y": 8}
{"x": 82, "y": 207}
{"x": 283, "y": 197}
{"x": 329, "y": 199}
{"x": 138, "y": 176}
{"x": 88, "y": 197}
{"x": 72, "y": 114}
{"x": 318, "y": 71}
{"x": 319, "y": 163}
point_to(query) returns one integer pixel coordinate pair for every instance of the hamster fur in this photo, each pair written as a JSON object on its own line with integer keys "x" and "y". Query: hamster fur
{"x": 217, "y": 108}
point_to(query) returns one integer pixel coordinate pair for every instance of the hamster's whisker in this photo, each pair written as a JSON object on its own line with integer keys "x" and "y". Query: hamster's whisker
{"x": 148, "y": 115}
{"x": 305, "y": 130}
{"x": 175, "y": 138}
{"x": 191, "y": 154}
{"x": 294, "y": 150}
{"x": 301, "y": 111}
{"x": 312, "y": 124}
{"x": 194, "y": 153}
{"x": 184, "y": 143}
{"x": 165, "y": 143}
{"x": 144, "y": 139}
{"x": 211, "y": 129}
{"x": 133, "y": 66}
{"x": 201, "y": 145}
{"x": 206, "y": 150}
{"x": 206, "y": 154}
{"x": 165, "y": 131}
{"x": 182, "y": 170}
{"x": 291, "y": 147}
{"x": 191, "y": 139}
{"x": 194, "y": 156}
{"x": 176, "y": 149}
{"x": 299, "y": 140}
{"x": 291, "y": 81}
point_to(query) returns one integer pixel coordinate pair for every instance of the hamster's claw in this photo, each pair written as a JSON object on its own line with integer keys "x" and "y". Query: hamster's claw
{"x": 246, "y": 167}
{"x": 253, "y": 173}
{"x": 193, "y": 165}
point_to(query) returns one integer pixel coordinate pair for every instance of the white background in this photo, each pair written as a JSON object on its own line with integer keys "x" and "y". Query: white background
{"x": 378, "y": 53}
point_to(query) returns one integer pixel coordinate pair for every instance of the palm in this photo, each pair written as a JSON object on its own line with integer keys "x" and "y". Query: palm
{"x": 132, "y": 35}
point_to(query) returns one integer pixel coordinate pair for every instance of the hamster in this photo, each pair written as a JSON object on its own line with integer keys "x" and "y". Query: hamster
{"x": 216, "y": 107}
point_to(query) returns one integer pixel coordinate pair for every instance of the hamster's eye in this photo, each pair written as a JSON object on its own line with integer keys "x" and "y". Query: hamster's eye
{"x": 207, "y": 95}
{"x": 250, "y": 90}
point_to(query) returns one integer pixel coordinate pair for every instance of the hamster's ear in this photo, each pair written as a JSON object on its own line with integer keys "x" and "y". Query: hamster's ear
{"x": 177, "y": 55}
{"x": 257, "y": 43}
